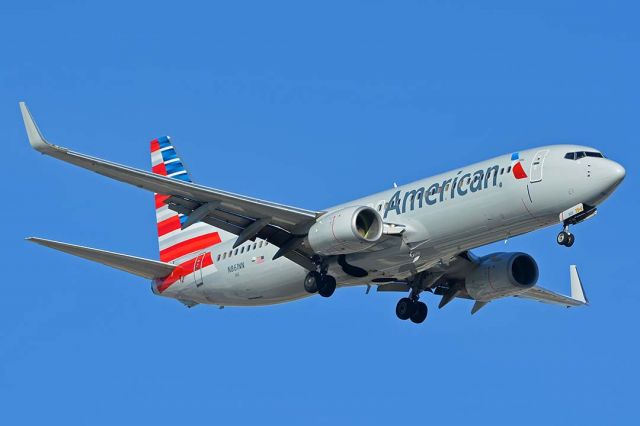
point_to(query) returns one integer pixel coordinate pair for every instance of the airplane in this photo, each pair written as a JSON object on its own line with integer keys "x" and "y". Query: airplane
{"x": 226, "y": 249}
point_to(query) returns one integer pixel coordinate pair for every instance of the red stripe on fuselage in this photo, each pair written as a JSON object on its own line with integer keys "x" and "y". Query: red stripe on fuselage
{"x": 183, "y": 270}
{"x": 189, "y": 246}
{"x": 168, "y": 225}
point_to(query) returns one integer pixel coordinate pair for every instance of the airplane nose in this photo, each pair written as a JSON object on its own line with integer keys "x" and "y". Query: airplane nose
{"x": 607, "y": 175}
{"x": 615, "y": 173}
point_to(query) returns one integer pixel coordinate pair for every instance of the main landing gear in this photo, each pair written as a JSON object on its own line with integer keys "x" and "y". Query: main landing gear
{"x": 411, "y": 308}
{"x": 565, "y": 238}
{"x": 323, "y": 284}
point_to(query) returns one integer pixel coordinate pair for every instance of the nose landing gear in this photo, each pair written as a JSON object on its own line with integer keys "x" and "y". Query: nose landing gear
{"x": 565, "y": 238}
{"x": 573, "y": 216}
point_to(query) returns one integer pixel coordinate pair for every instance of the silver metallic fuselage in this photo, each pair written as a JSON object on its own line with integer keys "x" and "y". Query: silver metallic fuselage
{"x": 438, "y": 225}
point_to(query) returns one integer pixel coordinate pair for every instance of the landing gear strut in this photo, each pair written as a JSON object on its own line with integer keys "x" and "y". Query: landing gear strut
{"x": 565, "y": 238}
{"x": 411, "y": 308}
{"x": 323, "y": 284}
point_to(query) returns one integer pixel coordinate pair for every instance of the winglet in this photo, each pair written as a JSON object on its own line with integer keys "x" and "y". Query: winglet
{"x": 577, "y": 291}
{"x": 36, "y": 139}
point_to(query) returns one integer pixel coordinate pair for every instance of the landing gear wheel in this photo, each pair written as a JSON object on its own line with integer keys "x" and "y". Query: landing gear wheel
{"x": 420, "y": 313}
{"x": 311, "y": 282}
{"x": 562, "y": 238}
{"x": 405, "y": 308}
{"x": 570, "y": 241}
{"x": 327, "y": 286}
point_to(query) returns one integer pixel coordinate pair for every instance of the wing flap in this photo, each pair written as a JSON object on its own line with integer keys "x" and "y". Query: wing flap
{"x": 146, "y": 268}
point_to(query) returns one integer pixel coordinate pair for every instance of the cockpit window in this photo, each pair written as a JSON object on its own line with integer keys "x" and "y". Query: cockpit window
{"x": 581, "y": 154}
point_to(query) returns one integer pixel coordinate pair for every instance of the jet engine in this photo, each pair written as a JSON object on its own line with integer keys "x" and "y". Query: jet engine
{"x": 347, "y": 230}
{"x": 501, "y": 274}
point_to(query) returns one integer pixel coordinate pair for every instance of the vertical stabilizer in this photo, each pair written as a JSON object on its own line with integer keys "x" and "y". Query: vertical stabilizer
{"x": 177, "y": 245}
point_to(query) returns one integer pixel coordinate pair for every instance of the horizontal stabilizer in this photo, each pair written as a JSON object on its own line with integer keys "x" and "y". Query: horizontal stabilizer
{"x": 146, "y": 268}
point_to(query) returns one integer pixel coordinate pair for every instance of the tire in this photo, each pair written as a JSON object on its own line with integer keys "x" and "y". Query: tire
{"x": 570, "y": 240}
{"x": 405, "y": 308}
{"x": 562, "y": 238}
{"x": 420, "y": 313}
{"x": 311, "y": 282}
{"x": 327, "y": 286}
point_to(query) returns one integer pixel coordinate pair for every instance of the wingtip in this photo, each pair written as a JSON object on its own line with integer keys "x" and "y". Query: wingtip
{"x": 36, "y": 139}
{"x": 577, "y": 289}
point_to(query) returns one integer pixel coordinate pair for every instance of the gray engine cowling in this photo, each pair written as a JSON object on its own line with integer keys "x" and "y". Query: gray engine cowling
{"x": 502, "y": 274}
{"x": 348, "y": 230}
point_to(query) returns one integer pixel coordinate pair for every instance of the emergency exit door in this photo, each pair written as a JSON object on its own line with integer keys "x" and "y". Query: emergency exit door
{"x": 197, "y": 269}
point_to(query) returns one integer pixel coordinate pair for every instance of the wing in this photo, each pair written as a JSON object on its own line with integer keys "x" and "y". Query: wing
{"x": 247, "y": 217}
{"x": 145, "y": 268}
{"x": 577, "y": 298}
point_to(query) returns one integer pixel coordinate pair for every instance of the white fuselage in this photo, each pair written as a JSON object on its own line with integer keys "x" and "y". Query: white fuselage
{"x": 441, "y": 216}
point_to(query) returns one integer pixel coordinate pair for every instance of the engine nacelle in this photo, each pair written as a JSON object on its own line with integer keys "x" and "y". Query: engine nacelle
{"x": 502, "y": 274}
{"x": 348, "y": 230}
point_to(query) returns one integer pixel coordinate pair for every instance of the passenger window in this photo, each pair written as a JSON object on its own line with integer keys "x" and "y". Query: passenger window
{"x": 255, "y": 245}
{"x": 260, "y": 245}
{"x": 224, "y": 255}
{"x": 218, "y": 259}
{"x": 235, "y": 252}
{"x": 509, "y": 169}
{"x": 230, "y": 253}
{"x": 242, "y": 250}
{"x": 502, "y": 171}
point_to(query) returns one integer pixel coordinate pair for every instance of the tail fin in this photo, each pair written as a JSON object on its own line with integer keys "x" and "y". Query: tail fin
{"x": 177, "y": 245}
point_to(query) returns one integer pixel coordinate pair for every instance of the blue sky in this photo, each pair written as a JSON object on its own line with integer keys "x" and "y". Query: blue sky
{"x": 309, "y": 104}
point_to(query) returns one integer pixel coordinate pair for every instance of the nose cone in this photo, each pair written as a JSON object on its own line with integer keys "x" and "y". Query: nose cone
{"x": 606, "y": 176}
{"x": 614, "y": 173}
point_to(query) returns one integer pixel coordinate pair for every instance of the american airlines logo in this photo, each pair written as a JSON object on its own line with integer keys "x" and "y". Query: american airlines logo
{"x": 458, "y": 186}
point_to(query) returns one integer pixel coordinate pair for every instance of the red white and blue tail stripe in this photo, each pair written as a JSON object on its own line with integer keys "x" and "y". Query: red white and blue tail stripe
{"x": 176, "y": 245}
